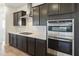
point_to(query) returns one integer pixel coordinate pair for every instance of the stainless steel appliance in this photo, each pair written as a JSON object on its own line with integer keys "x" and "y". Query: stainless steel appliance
{"x": 60, "y": 36}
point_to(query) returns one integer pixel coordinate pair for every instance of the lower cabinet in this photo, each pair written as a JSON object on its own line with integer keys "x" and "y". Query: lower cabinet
{"x": 19, "y": 42}
{"x": 40, "y": 47}
{"x": 25, "y": 44}
{"x": 31, "y": 46}
{"x": 22, "y": 43}
{"x": 12, "y": 40}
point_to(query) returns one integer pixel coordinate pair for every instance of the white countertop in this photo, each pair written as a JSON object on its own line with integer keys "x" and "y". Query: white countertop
{"x": 33, "y": 35}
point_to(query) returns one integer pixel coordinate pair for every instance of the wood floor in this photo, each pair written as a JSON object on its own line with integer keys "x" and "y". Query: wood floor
{"x": 6, "y": 50}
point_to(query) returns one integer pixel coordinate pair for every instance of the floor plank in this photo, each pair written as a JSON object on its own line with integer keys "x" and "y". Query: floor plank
{"x": 6, "y": 50}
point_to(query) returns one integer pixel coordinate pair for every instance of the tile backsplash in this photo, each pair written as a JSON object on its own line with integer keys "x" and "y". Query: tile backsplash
{"x": 30, "y": 28}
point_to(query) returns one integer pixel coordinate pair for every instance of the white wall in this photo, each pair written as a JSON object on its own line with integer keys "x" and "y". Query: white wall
{"x": 2, "y": 22}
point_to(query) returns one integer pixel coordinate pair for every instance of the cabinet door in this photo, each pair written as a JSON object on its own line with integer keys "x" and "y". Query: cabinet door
{"x": 23, "y": 21}
{"x": 19, "y": 42}
{"x": 43, "y": 14}
{"x": 15, "y": 19}
{"x": 77, "y": 7}
{"x": 31, "y": 46}
{"x": 53, "y": 8}
{"x": 24, "y": 44}
{"x": 14, "y": 40}
{"x": 66, "y": 8}
{"x": 40, "y": 47}
{"x": 10, "y": 39}
{"x": 36, "y": 16}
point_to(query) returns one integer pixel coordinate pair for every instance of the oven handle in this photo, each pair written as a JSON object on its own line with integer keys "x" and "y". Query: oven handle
{"x": 66, "y": 40}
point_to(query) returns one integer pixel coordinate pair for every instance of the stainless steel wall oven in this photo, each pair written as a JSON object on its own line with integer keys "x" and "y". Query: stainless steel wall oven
{"x": 60, "y": 36}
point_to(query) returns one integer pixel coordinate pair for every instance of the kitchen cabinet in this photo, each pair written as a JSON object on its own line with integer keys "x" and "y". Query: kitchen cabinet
{"x": 40, "y": 15}
{"x": 77, "y": 7}
{"x": 19, "y": 42}
{"x": 40, "y": 48}
{"x": 60, "y": 8}
{"x": 28, "y": 45}
{"x": 31, "y": 46}
{"x": 22, "y": 43}
{"x": 43, "y": 14}
{"x": 53, "y": 8}
{"x": 17, "y": 18}
{"x": 23, "y": 21}
{"x": 64, "y": 16}
{"x": 12, "y": 40}
{"x": 36, "y": 16}
{"x": 66, "y": 8}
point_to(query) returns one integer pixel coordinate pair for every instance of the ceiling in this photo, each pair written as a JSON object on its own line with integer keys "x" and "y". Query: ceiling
{"x": 15, "y": 5}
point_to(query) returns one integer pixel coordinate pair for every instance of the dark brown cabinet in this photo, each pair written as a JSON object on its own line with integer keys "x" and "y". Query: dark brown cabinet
{"x": 43, "y": 14}
{"x": 60, "y": 8}
{"x": 19, "y": 42}
{"x": 53, "y": 8}
{"x": 36, "y": 16}
{"x": 31, "y": 46}
{"x": 77, "y": 7}
{"x": 22, "y": 43}
{"x": 40, "y": 48}
{"x": 40, "y": 15}
{"x": 12, "y": 40}
{"x": 66, "y": 8}
{"x": 25, "y": 44}
{"x": 17, "y": 18}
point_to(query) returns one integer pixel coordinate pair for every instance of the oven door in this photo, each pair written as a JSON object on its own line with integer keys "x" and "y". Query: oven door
{"x": 60, "y": 45}
{"x": 60, "y": 28}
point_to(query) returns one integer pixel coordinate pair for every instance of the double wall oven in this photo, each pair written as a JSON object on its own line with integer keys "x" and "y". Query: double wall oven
{"x": 60, "y": 36}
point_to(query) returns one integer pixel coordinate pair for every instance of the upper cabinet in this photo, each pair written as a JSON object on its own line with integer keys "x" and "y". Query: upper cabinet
{"x": 53, "y": 8}
{"x": 60, "y": 8}
{"x": 40, "y": 15}
{"x": 66, "y": 8}
{"x": 36, "y": 16}
{"x": 43, "y": 11}
{"x": 17, "y": 20}
{"x": 43, "y": 14}
{"x": 77, "y": 7}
